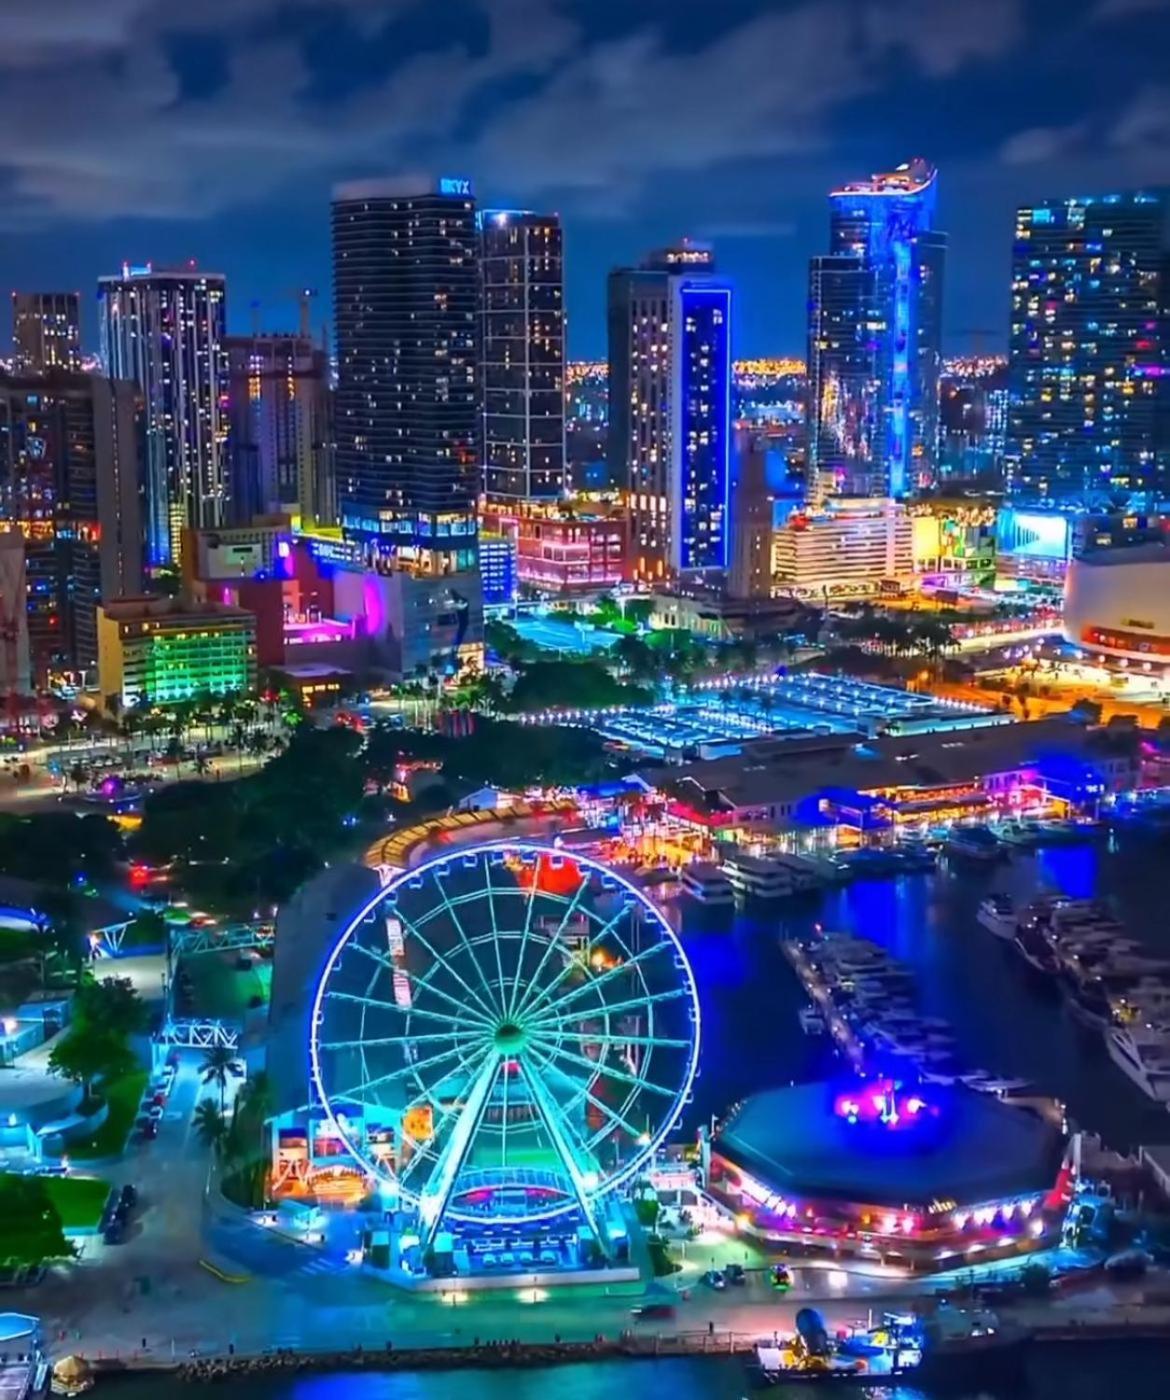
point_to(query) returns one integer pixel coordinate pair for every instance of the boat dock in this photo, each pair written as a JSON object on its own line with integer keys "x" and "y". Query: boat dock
{"x": 822, "y": 999}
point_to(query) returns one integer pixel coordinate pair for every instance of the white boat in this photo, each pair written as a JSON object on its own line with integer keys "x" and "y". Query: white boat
{"x": 707, "y": 883}
{"x": 758, "y": 876}
{"x": 997, "y": 914}
{"x": 991, "y": 1084}
{"x": 811, "y": 1021}
{"x": 1143, "y": 1053}
{"x": 974, "y": 843}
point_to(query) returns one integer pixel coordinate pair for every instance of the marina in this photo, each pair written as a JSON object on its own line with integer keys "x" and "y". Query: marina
{"x": 1109, "y": 982}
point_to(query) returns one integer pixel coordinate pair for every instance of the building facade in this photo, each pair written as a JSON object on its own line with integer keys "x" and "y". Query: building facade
{"x": 406, "y": 294}
{"x": 155, "y": 651}
{"x": 15, "y": 672}
{"x": 1117, "y": 606}
{"x": 749, "y": 571}
{"x": 577, "y": 549}
{"x": 669, "y": 329}
{"x": 71, "y": 480}
{"x": 280, "y": 429}
{"x": 522, "y": 354}
{"x": 165, "y": 331}
{"x": 847, "y": 548}
{"x": 875, "y": 338}
{"x": 1087, "y": 349}
{"x": 407, "y": 410}
{"x": 46, "y": 331}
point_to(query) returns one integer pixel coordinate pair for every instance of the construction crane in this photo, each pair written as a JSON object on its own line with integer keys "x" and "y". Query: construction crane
{"x": 303, "y": 296}
{"x": 304, "y": 299}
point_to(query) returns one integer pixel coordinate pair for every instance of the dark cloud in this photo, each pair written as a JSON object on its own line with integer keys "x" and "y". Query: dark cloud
{"x": 127, "y": 122}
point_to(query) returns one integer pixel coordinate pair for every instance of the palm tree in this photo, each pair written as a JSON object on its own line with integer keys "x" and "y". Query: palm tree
{"x": 210, "y": 1126}
{"x": 219, "y": 1065}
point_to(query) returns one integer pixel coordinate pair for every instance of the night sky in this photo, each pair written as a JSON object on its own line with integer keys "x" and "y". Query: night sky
{"x": 157, "y": 130}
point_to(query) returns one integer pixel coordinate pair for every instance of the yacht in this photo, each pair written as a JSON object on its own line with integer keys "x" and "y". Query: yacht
{"x": 974, "y": 843}
{"x": 811, "y": 1021}
{"x": 1143, "y": 1052}
{"x": 708, "y": 884}
{"x": 1035, "y": 949}
{"x": 758, "y": 876}
{"x": 997, "y": 914}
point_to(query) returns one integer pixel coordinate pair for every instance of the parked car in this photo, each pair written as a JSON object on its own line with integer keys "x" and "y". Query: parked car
{"x": 735, "y": 1273}
{"x": 714, "y": 1279}
{"x": 646, "y": 1311}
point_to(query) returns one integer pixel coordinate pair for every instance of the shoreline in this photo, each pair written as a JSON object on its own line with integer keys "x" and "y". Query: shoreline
{"x": 1153, "y": 1327}
{"x": 476, "y": 1356}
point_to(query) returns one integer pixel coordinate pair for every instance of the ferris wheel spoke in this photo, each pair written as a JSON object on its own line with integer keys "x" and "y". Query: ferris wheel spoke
{"x": 603, "y": 1068}
{"x": 405, "y": 1038}
{"x": 382, "y": 1005}
{"x": 652, "y": 1042}
{"x": 530, "y": 1005}
{"x": 547, "y": 1023}
{"x": 491, "y": 999}
{"x": 610, "y": 975}
{"x": 583, "y": 1092}
{"x": 555, "y": 1124}
{"x": 490, "y": 891}
{"x": 395, "y": 970}
{"x": 488, "y": 1014}
{"x": 435, "y": 1195}
{"x": 523, "y": 940}
{"x": 456, "y": 1052}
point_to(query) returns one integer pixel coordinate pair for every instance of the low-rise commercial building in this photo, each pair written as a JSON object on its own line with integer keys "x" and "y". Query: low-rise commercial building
{"x": 847, "y": 548}
{"x": 562, "y": 549}
{"x": 1117, "y": 606}
{"x": 883, "y": 783}
{"x": 158, "y": 650}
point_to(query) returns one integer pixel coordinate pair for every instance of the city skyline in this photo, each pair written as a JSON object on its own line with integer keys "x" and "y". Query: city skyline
{"x": 243, "y": 124}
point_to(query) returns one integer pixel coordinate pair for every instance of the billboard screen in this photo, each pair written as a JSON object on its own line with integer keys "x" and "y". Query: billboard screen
{"x": 1033, "y": 533}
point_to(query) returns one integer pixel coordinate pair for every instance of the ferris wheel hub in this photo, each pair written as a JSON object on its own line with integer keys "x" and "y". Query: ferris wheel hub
{"x": 510, "y": 1038}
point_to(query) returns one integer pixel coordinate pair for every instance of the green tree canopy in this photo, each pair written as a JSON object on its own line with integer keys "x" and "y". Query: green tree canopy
{"x": 89, "y": 1053}
{"x": 32, "y": 1231}
{"x": 113, "y": 1005}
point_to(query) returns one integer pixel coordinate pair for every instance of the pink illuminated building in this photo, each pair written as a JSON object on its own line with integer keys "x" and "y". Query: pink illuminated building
{"x": 563, "y": 550}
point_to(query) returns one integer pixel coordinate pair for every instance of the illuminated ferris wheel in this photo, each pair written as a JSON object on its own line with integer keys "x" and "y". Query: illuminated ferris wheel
{"x": 505, "y": 1035}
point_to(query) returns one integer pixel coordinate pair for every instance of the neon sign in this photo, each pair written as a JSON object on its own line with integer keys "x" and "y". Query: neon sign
{"x": 456, "y": 185}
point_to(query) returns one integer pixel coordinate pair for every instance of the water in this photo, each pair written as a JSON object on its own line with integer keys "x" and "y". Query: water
{"x": 1005, "y": 1019}
{"x": 1135, "y": 1372}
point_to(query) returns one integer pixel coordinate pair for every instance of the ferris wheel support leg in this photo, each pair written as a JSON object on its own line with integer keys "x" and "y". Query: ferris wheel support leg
{"x": 435, "y": 1195}
{"x": 548, "y": 1110}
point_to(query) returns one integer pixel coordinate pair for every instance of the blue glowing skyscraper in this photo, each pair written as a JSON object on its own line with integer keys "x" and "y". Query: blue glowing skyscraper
{"x": 1088, "y": 350}
{"x": 670, "y": 409}
{"x": 875, "y": 332}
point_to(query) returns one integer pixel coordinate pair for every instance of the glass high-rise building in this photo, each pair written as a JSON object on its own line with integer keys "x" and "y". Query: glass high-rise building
{"x": 71, "y": 469}
{"x": 522, "y": 354}
{"x": 164, "y": 330}
{"x": 407, "y": 404}
{"x": 281, "y": 439}
{"x": 46, "y": 331}
{"x": 669, "y": 327}
{"x": 1087, "y": 349}
{"x": 875, "y": 338}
